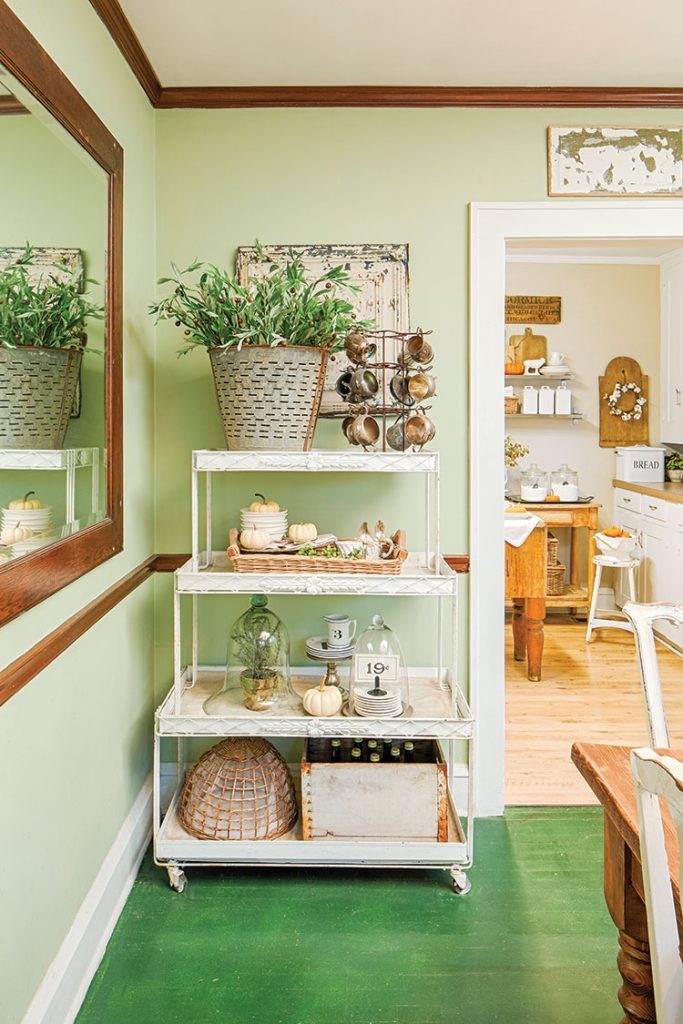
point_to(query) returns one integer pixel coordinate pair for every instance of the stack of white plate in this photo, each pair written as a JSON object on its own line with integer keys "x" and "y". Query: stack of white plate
{"x": 387, "y": 706}
{"x": 275, "y": 523}
{"x": 37, "y": 520}
{"x": 318, "y": 649}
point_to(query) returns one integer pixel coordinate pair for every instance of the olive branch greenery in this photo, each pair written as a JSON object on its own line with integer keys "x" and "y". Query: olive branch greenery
{"x": 282, "y": 308}
{"x": 49, "y": 313}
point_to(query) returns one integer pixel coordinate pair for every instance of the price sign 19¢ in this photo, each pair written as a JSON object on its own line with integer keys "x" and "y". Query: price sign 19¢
{"x": 367, "y": 666}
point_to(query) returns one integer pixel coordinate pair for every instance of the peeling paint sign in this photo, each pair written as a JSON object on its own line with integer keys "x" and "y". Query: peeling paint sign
{"x": 533, "y": 309}
{"x": 615, "y": 161}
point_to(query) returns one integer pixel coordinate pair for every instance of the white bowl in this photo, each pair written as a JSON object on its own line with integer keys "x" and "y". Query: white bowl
{"x": 619, "y": 547}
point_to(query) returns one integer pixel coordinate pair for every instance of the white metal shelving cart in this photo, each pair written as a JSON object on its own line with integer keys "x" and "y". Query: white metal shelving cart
{"x": 440, "y": 710}
{"x": 66, "y": 460}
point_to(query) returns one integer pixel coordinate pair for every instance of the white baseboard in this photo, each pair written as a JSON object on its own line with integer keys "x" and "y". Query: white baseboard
{"x": 68, "y": 977}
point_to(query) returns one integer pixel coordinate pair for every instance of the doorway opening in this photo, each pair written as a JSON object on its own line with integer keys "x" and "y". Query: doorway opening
{"x": 605, "y": 262}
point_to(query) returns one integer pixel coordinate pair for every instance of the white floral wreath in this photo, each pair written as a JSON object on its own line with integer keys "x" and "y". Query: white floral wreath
{"x": 623, "y": 389}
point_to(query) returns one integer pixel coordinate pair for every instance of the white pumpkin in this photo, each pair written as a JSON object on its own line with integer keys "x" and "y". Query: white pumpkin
{"x": 255, "y": 540}
{"x": 322, "y": 701}
{"x": 302, "y": 533}
{"x": 26, "y": 502}
{"x": 13, "y": 534}
{"x": 263, "y": 505}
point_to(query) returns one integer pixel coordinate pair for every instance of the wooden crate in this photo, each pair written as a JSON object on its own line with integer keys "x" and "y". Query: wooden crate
{"x": 344, "y": 800}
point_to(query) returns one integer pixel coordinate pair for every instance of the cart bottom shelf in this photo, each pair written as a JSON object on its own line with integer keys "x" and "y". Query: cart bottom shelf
{"x": 173, "y": 844}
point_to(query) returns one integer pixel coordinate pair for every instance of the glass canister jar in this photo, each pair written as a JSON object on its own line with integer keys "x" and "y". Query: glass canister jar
{"x": 257, "y": 663}
{"x": 379, "y": 681}
{"x": 534, "y": 484}
{"x": 564, "y": 482}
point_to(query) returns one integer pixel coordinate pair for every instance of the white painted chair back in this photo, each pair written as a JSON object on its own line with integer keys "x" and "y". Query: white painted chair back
{"x": 656, "y": 776}
{"x": 643, "y": 618}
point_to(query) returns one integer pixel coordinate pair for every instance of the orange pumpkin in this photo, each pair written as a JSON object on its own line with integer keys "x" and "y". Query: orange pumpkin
{"x": 514, "y": 368}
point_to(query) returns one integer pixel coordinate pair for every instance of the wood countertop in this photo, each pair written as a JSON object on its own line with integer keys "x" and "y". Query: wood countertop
{"x": 669, "y": 492}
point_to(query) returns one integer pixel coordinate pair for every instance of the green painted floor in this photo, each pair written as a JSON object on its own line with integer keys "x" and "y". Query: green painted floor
{"x": 531, "y": 944}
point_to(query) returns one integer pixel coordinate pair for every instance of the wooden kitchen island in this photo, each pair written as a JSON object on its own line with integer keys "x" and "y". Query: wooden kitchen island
{"x": 525, "y": 587}
{"x": 574, "y": 518}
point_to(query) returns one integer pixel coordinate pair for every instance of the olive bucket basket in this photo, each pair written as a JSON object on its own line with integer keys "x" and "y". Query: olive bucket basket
{"x": 37, "y": 390}
{"x": 269, "y": 397}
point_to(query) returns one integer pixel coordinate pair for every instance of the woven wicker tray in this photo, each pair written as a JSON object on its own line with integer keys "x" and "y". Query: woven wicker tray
{"x": 264, "y": 561}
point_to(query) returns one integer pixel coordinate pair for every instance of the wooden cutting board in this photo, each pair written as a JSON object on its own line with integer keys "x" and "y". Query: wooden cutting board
{"x": 528, "y": 345}
{"x": 614, "y": 431}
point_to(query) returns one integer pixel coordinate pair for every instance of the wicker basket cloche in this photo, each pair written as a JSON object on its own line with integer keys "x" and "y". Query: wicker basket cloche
{"x": 239, "y": 789}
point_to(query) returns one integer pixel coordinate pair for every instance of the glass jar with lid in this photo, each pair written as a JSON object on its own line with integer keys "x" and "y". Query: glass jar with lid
{"x": 379, "y": 680}
{"x": 257, "y": 663}
{"x": 534, "y": 484}
{"x": 564, "y": 482}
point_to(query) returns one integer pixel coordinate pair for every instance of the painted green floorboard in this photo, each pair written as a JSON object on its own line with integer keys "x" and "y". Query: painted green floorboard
{"x": 531, "y": 944}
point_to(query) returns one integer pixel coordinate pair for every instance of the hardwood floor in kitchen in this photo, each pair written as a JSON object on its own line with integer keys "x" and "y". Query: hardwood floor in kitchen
{"x": 588, "y": 692}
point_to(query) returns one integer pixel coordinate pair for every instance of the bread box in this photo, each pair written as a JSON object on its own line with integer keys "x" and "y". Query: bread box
{"x": 640, "y": 463}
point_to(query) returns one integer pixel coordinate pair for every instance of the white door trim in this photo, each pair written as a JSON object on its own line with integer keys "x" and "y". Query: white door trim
{"x": 490, "y": 225}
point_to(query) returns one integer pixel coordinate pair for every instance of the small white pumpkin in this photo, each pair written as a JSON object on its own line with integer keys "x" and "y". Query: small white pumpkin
{"x": 302, "y": 533}
{"x": 322, "y": 701}
{"x": 263, "y": 505}
{"x": 13, "y": 534}
{"x": 255, "y": 540}
{"x": 26, "y": 502}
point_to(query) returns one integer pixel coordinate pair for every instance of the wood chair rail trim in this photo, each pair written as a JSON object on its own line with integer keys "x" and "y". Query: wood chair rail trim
{"x": 232, "y": 96}
{"x": 23, "y": 669}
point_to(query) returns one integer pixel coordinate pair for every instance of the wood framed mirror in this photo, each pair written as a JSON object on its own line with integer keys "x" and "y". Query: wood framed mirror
{"x": 65, "y": 202}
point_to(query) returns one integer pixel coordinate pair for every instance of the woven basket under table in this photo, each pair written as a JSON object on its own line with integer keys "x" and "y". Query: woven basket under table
{"x": 553, "y": 550}
{"x": 555, "y": 580}
{"x": 239, "y": 789}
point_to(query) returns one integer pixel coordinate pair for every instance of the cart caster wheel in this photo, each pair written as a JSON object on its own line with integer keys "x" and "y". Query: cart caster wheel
{"x": 461, "y": 883}
{"x": 176, "y": 877}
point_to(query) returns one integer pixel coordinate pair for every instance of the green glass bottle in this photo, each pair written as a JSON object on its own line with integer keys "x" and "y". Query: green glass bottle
{"x": 374, "y": 758}
{"x": 408, "y": 751}
{"x": 395, "y": 755}
{"x": 356, "y": 755}
{"x": 335, "y": 750}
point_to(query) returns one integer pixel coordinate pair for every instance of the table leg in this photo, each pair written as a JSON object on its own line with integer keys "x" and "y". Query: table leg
{"x": 574, "y": 556}
{"x": 519, "y": 628}
{"x": 627, "y": 910}
{"x": 591, "y": 567}
{"x": 535, "y": 616}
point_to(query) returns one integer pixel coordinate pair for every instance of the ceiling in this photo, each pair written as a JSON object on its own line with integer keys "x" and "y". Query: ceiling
{"x": 433, "y": 42}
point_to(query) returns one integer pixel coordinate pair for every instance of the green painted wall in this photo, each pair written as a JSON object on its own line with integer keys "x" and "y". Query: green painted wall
{"x": 75, "y": 745}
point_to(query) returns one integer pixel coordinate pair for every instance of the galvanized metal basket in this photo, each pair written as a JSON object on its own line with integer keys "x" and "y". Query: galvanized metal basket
{"x": 269, "y": 397}
{"x": 37, "y": 390}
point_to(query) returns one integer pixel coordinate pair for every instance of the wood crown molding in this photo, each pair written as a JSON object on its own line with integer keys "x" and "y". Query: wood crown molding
{"x": 260, "y": 96}
{"x": 121, "y": 31}
{"x": 210, "y": 97}
{"x": 23, "y": 669}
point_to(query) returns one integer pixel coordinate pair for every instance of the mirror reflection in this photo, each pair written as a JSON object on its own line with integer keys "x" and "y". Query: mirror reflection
{"x": 53, "y": 257}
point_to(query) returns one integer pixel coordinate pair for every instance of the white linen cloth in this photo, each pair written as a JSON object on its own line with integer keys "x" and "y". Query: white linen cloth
{"x": 518, "y": 527}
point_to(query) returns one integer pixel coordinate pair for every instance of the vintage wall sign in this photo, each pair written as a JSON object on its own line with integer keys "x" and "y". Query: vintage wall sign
{"x": 533, "y": 309}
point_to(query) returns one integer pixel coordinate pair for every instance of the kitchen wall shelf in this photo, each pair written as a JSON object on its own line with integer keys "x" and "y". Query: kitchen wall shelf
{"x": 538, "y": 378}
{"x": 439, "y": 708}
{"x": 575, "y": 417}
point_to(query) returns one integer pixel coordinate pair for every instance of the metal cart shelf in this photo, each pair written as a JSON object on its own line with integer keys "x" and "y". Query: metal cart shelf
{"x": 439, "y": 708}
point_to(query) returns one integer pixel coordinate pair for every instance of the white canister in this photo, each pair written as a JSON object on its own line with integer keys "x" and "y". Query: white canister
{"x": 546, "y": 401}
{"x": 563, "y": 401}
{"x": 529, "y": 400}
{"x": 640, "y": 463}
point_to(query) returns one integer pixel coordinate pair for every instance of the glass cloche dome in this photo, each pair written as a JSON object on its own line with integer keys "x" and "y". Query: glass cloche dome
{"x": 379, "y": 681}
{"x": 257, "y": 664}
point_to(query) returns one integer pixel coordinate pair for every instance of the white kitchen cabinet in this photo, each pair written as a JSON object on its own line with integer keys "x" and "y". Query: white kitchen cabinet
{"x": 671, "y": 284}
{"x": 659, "y": 526}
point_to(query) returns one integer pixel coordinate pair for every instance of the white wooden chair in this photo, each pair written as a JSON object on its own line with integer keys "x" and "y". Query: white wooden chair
{"x": 656, "y": 776}
{"x": 643, "y": 618}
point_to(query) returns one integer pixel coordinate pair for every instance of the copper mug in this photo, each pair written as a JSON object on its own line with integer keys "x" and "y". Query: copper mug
{"x": 419, "y": 349}
{"x": 363, "y": 430}
{"x": 358, "y": 348}
{"x": 419, "y": 429}
{"x": 421, "y": 386}
{"x": 398, "y": 385}
{"x": 396, "y": 437}
{"x": 364, "y": 384}
{"x": 343, "y": 385}
{"x": 346, "y": 423}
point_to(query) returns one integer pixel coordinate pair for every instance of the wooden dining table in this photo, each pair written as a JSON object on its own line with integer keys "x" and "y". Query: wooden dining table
{"x": 607, "y": 770}
{"x": 525, "y": 588}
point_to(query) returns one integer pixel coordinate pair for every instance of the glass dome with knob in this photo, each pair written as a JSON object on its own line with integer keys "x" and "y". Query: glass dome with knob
{"x": 379, "y": 685}
{"x": 257, "y": 663}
